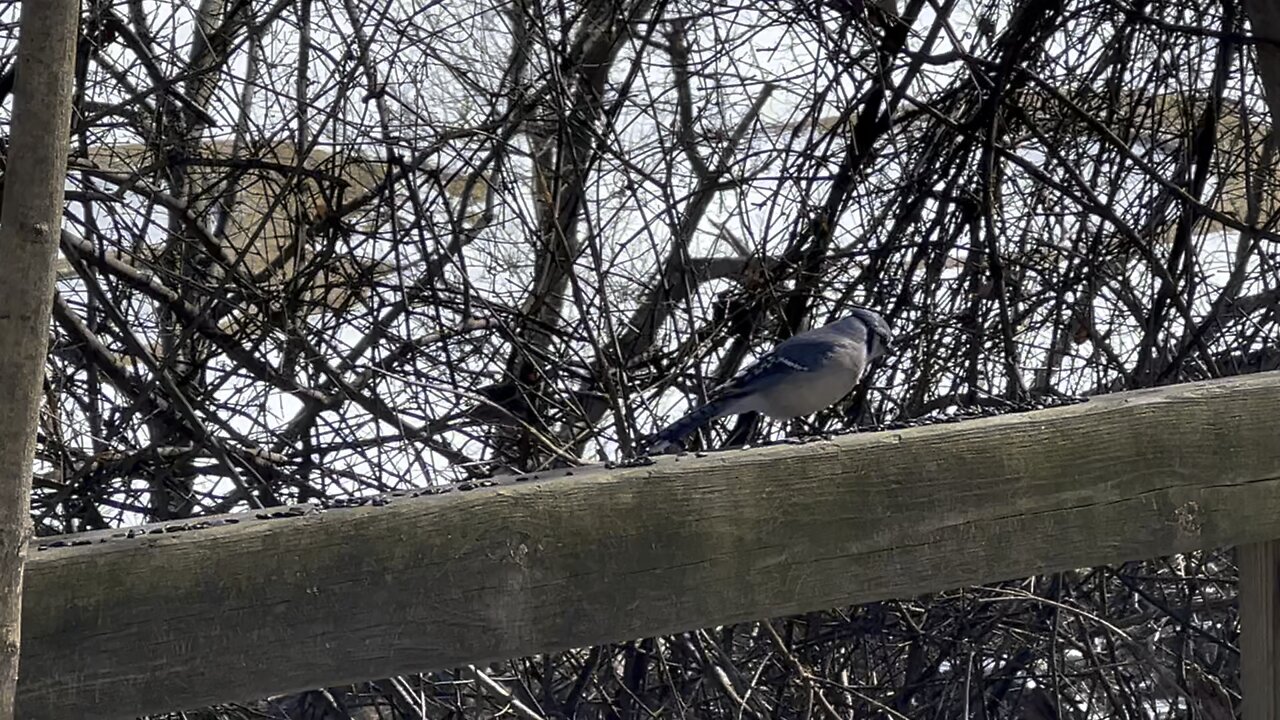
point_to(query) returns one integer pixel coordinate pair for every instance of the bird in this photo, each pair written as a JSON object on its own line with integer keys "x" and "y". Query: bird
{"x": 800, "y": 376}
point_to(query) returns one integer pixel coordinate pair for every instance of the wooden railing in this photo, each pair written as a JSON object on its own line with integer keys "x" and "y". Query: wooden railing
{"x": 249, "y": 607}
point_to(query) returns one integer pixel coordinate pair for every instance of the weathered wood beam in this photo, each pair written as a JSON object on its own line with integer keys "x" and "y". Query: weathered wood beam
{"x": 118, "y": 627}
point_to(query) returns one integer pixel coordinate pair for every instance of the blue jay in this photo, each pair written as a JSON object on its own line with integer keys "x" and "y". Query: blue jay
{"x": 802, "y": 375}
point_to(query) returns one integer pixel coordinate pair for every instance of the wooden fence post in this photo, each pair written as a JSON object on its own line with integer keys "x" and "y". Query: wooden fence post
{"x": 30, "y": 225}
{"x": 1259, "y": 627}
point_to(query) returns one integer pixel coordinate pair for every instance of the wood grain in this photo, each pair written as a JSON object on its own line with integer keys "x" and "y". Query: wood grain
{"x": 171, "y": 621}
{"x": 1260, "y": 630}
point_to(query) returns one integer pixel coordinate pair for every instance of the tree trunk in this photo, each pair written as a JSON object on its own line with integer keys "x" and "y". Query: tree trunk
{"x": 29, "y": 229}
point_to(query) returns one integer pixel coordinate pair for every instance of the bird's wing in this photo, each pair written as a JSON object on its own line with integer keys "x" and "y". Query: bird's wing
{"x": 795, "y": 356}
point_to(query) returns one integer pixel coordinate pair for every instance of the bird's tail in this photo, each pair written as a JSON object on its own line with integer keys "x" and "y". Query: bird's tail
{"x": 671, "y": 435}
